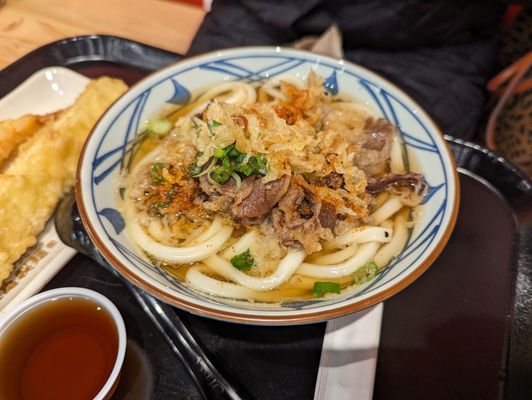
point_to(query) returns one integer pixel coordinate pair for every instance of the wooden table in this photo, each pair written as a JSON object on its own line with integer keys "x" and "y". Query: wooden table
{"x": 28, "y": 24}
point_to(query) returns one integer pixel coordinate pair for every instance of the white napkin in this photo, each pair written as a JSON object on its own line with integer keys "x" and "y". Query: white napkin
{"x": 349, "y": 356}
{"x": 328, "y": 44}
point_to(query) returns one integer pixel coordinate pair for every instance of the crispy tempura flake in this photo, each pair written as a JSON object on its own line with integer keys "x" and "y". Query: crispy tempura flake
{"x": 44, "y": 169}
{"x": 13, "y": 132}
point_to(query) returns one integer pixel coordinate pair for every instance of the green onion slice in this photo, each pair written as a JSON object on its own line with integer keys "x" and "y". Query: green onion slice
{"x": 247, "y": 168}
{"x": 156, "y": 174}
{"x": 159, "y": 126}
{"x": 254, "y": 165}
{"x": 212, "y": 181}
{"x": 243, "y": 261}
{"x": 219, "y": 153}
{"x": 233, "y": 152}
{"x": 213, "y": 124}
{"x": 196, "y": 171}
{"x": 221, "y": 174}
{"x": 240, "y": 158}
{"x": 228, "y": 162}
{"x": 320, "y": 288}
{"x": 160, "y": 206}
{"x": 237, "y": 179}
{"x": 365, "y": 273}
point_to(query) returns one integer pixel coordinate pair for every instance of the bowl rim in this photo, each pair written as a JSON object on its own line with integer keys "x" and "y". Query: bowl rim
{"x": 78, "y": 292}
{"x": 261, "y": 319}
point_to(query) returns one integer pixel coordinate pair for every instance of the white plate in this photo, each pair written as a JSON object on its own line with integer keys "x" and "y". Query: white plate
{"x": 47, "y": 90}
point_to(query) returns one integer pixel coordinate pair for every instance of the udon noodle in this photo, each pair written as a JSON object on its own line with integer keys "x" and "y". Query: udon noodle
{"x": 272, "y": 192}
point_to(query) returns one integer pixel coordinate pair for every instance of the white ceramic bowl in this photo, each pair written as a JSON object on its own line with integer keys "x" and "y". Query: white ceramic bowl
{"x": 75, "y": 292}
{"x": 99, "y": 168}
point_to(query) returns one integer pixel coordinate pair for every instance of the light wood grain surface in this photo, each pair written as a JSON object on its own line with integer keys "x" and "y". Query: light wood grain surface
{"x": 28, "y": 24}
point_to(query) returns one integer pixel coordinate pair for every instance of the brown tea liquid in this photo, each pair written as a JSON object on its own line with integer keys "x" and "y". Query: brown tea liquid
{"x": 62, "y": 349}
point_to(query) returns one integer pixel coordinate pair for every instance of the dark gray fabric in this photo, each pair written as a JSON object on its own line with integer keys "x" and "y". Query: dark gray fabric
{"x": 441, "y": 52}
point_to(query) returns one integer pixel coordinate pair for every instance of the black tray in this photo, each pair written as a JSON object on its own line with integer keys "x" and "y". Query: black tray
{"x": 461, "y": 331}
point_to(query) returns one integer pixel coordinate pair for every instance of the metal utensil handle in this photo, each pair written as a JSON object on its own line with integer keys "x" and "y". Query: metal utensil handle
{"x": 210, "y": 382}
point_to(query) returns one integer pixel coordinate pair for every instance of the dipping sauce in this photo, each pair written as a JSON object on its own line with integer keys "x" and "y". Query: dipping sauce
{"x": 61, "y": 349}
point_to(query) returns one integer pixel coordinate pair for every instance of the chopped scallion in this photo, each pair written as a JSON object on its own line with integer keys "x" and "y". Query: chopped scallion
{"x": 321, "y": 288}
{"x": 219, "y": 153}
{"x": 237, "y": 179}
{"x": 229, "y": 148}
{"x": 156, "y": 174}
{"x": 170, "y": 195}
{"x": 212, "y": 181}
{"x": 159, "y": 126}
{"x": 247, "y": 168}
{"x": 254, "y": 165}
{"x": 221, "y": 174}
{"x": 227, "y": 162}
{"x": 213, "y": 124}
{"x": 196, "y": 171}
{"x": 234, "y": 152}
{"x": 243, "y": 261}
{"x": 262, "y": 164}
{"x": 240, "y": 158}
{"x": 365, "y": 273}
{"x": 160, "y": 206}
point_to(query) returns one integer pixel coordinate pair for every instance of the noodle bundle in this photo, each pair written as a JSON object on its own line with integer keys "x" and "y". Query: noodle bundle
{"x": 271, "y": 192}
